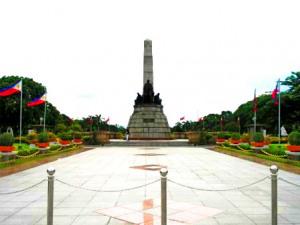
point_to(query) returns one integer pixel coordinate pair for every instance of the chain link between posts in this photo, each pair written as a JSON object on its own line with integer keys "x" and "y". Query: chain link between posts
{"x": 229, "y": 189}
{"x": 289, "y": 182}
{"x": 24, "y": 189}
{"x": 99, "y": 190}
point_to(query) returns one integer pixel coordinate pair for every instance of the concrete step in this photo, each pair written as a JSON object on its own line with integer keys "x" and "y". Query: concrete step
{"x": 145, "y": 143}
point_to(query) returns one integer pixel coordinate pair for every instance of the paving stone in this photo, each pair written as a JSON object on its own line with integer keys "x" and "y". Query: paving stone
{"x": 110, "y": 168}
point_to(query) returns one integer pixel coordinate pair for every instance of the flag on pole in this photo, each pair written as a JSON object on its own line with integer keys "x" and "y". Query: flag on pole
{"x": 182, "y": 118}
{"x": 12, "y": 89}
{"x": 200, "y": 119}
{"x": 275, "y": 93}
{"x": 37, "y": 101}
{"x": 255, "y": 102}
{"x": 221, "y": 123}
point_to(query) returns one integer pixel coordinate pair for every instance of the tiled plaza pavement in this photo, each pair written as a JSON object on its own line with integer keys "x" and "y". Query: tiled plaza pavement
{"x": 113, "y": 168}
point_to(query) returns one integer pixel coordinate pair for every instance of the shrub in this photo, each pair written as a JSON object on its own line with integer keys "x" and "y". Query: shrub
{"x": 86, "y": 139}
{"x": 221, "y": 135}
{"x": 202, "y": 138}
{"x": 32, "y": 136}
{"x": 77, "y": 135}
{"x": 76, "y": 127}
{"x": 258, "y": 137}
{"x": 236, "y": 136}
{"x": 245, "y": 146}
{"x": 27, "y": 152}
{"x": 91, "y": 140}
{"x": 6, "y": 139}
{"x": 54, "y": 147}
{"x": 65, "y": 136}
{"x": 276, "y": 149}
{"x": 294, "y": 138}
{"x": 23, "y": 140}
{"x": 52, "y": 136}
{"x": 60, "y": 128}
{"x": 210, "y": 139}
{"x": 43, "y": 137}
{"x": 227, "y": 135}
{"x": 245, "y": 138}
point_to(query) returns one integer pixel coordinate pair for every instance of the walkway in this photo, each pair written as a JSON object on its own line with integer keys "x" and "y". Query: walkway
{"x": 113, "y": 168}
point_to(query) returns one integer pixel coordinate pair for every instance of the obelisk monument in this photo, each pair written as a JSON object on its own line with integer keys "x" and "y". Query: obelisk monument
{"x": 148, "y": 122}
{"x": 148, "y": 62}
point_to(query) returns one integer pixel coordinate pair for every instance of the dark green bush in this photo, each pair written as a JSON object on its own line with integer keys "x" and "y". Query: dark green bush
{"x": 245, "y": 146}
{"x": 43, "y": 137}
{"x": 76, "y": 127}
{"x": 294, "y": 138}
{"x": 54, "y": 147}
{"x": 27, "y": 152}
{"x": 210, "y": 139}
{"x": 203, "y": 138}
{"x": 6, "y": 139}
{"x": 236, "y": 136}
{"x": 77, "y": 135}
{"x": 91, "y": 140}
{"x": 258, "y": 137}
{"x": 221, "y": 135}
{"x": 65, "y": 136}
{"x": 227, "y": 135}
{"x": 60, "y": 128}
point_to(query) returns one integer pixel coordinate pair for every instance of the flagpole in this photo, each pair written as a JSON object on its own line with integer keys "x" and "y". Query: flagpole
{"x": 21, "y": 113}
{"x": 255, "y": 105}
{"x": 239, "y": 124}
{"x": 45, "y": 116}
{"x": 279, "y": 109}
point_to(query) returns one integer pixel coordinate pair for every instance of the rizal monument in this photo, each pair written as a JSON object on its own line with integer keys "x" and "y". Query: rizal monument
{"x": 148, "y": 121}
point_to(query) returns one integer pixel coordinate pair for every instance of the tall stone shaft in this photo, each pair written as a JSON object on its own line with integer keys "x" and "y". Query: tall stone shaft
{"x": 148, "y": 62}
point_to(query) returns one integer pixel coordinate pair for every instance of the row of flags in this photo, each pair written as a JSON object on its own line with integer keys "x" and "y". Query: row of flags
{"x": 274, "y": 95}
{"x": 17, "y": 88}
{"x": 276, "y": 99}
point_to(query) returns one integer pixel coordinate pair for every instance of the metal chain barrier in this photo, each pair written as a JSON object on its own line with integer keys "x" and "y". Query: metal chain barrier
{"x": 24, "y": 189}
{"x": 276, "y": 156}
{"x": 229, "y": 189}
{"x": 97, "y": 190}
{"x": 28, "y": 156}
{"x": 289, "y": 182}
{"x": 240, "y": 148}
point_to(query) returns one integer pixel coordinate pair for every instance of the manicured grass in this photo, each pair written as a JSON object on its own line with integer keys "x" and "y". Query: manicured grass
{"x": 36, "y": 158}
{"x": 277, "y": 149}
{"x": 283, "y": 163}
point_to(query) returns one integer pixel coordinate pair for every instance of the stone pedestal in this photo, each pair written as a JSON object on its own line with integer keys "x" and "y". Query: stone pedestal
{"x": 148, "y": 122}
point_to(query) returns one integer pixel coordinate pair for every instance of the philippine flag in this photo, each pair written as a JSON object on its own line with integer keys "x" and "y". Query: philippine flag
{"x": 10, "y": 90}
{"x": 37, "y": 101}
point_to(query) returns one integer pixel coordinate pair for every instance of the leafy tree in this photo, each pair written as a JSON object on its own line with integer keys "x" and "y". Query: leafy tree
{"x": 10, "y": 105}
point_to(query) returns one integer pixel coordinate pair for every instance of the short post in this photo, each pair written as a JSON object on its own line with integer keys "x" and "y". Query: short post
{"x": 274, "y": 170}
{"x": 163, "y": 182}
{"x": 50, "y": 172}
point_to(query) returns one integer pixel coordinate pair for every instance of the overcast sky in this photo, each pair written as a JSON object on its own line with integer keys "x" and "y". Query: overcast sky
{"x": 208, "y": 56}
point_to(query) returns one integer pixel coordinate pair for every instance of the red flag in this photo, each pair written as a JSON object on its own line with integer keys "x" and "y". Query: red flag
{"x": 89, "y": 121}
{"x": 275, "y": 93}
{"x": 200, "y": 119}
{"x": 37, "y": 101}
{"x": 10, "y": 90}
{"x": 182, "y": 118}
{"x": 255, "y": 102}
